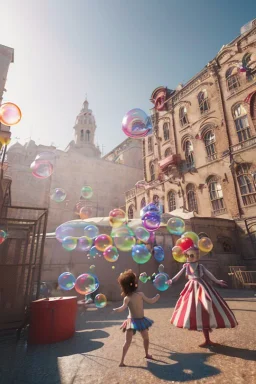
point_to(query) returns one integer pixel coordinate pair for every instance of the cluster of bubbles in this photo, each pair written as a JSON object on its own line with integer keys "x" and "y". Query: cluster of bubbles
{"x": 158, "y": 279}
{"x": 136, "y": 124}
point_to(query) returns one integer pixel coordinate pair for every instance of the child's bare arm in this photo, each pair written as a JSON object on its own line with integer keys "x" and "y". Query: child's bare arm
{"x": 124, "y": 306}
{"x": 149, "y": 300}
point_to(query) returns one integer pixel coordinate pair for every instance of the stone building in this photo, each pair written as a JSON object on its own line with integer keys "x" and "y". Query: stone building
{"x": 78, "y": 165}
{"x": 201, "y": 155}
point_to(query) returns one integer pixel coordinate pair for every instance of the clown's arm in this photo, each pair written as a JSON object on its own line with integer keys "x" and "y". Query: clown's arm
{"x": 213, "y": 278}
{"x": 176, "y": 277}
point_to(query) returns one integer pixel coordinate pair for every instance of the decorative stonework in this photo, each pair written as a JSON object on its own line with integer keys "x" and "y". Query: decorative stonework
{"x": 191, "y": 86}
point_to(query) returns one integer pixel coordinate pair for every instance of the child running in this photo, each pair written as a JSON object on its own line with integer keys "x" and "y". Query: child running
{"x": 136, "y": 320}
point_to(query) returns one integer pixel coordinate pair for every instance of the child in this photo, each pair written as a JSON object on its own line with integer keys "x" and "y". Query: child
{"x": 200, "y": 307}
{"x": 136, "y": 320}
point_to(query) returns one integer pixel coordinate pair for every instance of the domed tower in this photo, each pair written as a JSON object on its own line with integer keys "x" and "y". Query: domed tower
{"x": 85, "y": 127}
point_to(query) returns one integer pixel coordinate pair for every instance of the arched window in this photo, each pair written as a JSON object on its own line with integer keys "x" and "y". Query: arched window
{"x": 171, "y": 201}
{"x": 166, "y": 130}
{"x": 253, "y": 107}
{"x": 232, "y": 78}
{"x": 189, "y": 154}
{"x": 82, "y": 135}
{"x": 246, "y": 184}
{"x": 152, "y": 171}
{"x": 203, "y": 101}
{"x": 130, "y": 212}
{"x": 167, "y": 152}
{"x": 249, "y": 64}
{"x": 150, "y": 144}
{"x": 191, "y": 198}
{"x": 143, "y": 203}
{"x": 241, "y": 122}
{"x": 88, "y": 136}
{"x": 216, "y": 195}
{"x": 209, "y": 142}
{"x": 183, "y": 116}
{"x": 156, "y": 200}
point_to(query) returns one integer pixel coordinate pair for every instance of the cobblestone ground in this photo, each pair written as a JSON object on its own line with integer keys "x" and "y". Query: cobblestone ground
{"x": 92, "y": 355}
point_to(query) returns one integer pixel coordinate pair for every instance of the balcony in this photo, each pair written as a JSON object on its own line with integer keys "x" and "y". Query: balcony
{"x": 219, "y": 212}
{"x": 169, "y": 160}
{"x": 244, "y": 144}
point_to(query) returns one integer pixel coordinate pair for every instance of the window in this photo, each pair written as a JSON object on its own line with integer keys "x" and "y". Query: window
{"x": 152, "y": 171}
{"x": 88, "y": 136}
{"x": 166, "y": 131}
{"x": 241, "y": 122}
{"x": 209, "y": 141}
{"x": 253, "y": 106}
{"x": 203, "y": 102}
{"x": 171, "y": 201}
{"x": 82, "y": 135}
{"x": 189, "y": 154}
{"x": 227, "y": 246}
{"x": 191, "y": 197}
{"x": 249, "y": 64}
{"x": 232, "y": 78}
{"x": 183, "y": 116}
{"x": 150, "y": 144}
{"x": 167, "y": 152}
{"x": 143, "y": 203}
{"x": 216, "y": 195}
{"x": 246, "y": 184}
{"x": 130, "y": 212}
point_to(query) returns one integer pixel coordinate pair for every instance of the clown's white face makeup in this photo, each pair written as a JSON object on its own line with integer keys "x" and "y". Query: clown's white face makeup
{"x": 192, "y": 256}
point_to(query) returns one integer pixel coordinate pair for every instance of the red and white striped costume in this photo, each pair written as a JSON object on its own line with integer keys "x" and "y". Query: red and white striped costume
{"x": 200, "y": 306}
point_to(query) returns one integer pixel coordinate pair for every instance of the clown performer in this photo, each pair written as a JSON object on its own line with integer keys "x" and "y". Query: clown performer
{"x": 200, "y": 307}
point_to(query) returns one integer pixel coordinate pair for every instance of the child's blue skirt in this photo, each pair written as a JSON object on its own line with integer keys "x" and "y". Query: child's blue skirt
{"x": 136, "y": 324}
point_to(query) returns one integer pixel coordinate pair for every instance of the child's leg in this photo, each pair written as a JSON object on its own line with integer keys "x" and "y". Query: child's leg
{"x": 207, "y": 339}
{"x": 145, "y": 337}
{"x": 128, "y": 340}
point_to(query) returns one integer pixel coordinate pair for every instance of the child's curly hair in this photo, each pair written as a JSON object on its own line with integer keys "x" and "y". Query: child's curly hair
{"x": 128, "y": 282}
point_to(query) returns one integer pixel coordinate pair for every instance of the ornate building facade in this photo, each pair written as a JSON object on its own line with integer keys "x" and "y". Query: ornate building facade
{"x": 202, "y": 154}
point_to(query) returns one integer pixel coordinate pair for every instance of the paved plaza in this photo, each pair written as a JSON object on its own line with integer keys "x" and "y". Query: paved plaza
{"x": 92, "y": 355}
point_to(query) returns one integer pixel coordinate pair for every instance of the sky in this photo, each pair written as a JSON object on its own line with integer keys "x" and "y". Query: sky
{"x": 114, "y": 51}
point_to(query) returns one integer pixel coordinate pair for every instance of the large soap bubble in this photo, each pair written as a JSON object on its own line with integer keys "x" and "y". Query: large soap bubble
{"x": 10, "y": 114}
{"x": 100, "y": 300}
{"x": 205, "y": 244}
{"x": 160, "y": 281}
{"x": 102, "y": 242}
{"x": 124, "y": 238}
{"x": 136, "y": 124}
{"x": 74, "y": 228}
{"x": 111, "y": 254}
{"x": 83, "y": 244}
{"x": 142, "y": 234}
{"x": 86, "y": 284}
{"x": 175, "y": 226}
{"x": 141, "y": 254}
{"x": 158, "y": 253}
{"x": 87, "y": 192}
{"x": 41, "y": 169}
{"x": 117, "y": 217}
{"x": 91, "y": 231}
{"x": 151, "y": 207}
{"x": 58, "y": 195}
{"x": 66, "y": 281}
{"x": 151, "y": 221}
{"x": 178, "y": 254}
{"x": 69, "y": 243}
{"x": 186, "y": 243}
{"x": 191, "y": 235}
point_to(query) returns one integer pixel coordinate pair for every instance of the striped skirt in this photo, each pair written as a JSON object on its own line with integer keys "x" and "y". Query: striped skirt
{"x": 201, "y": 307}
{"x": 136, "y": 324}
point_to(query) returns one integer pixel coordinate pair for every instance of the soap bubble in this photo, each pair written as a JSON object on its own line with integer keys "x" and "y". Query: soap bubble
{"x": 175, "y": 226}
{"x": 151, "y": 207}
{"x": 58, "y": 195}
{"x": 136, "y": 124}
{"x": 41, "y": 169}
{"x": 69, "y": 243}
{"x": 117, "y": 217}
{"x": 3, "y": 236}
{"x": 161, "y": 268}
{"x": 102, "y": 242}
{"x": 143, "y": 277}
{"x": 141, "y": 254}
{"x": 86, "y": 284}
{"x": 92, "y": 268}
{"x": 142, "y": 234}
{"x": 91, "y": 231}
{"x": 66, "y": 281}
{"x": 124, "y": 238}
{"x": 158, "y": 253}
{"x": 74, "y": 228}
{"x": 100, "y": 300}
{"x": 93, "y": 252}
{"x": 205, "y": 244}
{"x": 10, "y": 114}
{"x": 85, "y": 213}
{"x": 83, "y": 244}
{"x": 160, "y": 280}
{"x": 185, "y": 243}
{"x": 191, "y": 235}
{"x": 178, "y": 254}
{"x": 111, "y": 254}
{"x": 86, "y": 192}
{"x": 151, "y": 221}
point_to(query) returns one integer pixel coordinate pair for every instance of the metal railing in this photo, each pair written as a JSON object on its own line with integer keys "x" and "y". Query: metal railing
{"x": 219, "y": 212}
{"x": 243, "y": 144}
{"x": 212, "y": 157}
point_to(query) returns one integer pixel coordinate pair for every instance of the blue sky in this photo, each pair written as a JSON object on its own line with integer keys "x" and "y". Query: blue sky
{"x": 115, "y": 51}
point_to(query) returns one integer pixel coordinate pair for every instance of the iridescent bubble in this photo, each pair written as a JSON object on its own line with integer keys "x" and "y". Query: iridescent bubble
{"x": 185, "y": 243}
{"x": 58, "y": 195}
{"x": 74, "y": 228}
{"x": 175, "y": 226}
{"x": 124, "y": 238}
{"x": 158, "y": 253}
{"x": 111, "y": 254}
{"x": 85, "y": 213}
{"x": 86, "y": 284}
{"x": 69, "y": 243}
{"x": 100, "y": 300}
{"x": 102, "y": 242}
{"x": 142, "y": 234}
{"x": 143, "y": 277}
{"x": 41, "y": 169}
{"x": 91, "y": 231}
{"x": 10, "y": 114}
{"x": 160, "y": 280}
{"x": 93, "y": 252}
{"x": 151, "y": 207}
{"x": 3, "y": 236}
{"x": 66, "y": 281}
{"x": 86, "y": 192}
{"x": 136, "y": 124}
{"x": 92, "y": 268}
{"x": 205, "y": 244}
{"x": 117, "y": 217}
{"x": 151, "y": 221}
{"x": 178, "y": 254}
{"x": 191, "y": 235}
{"x": 141, "y": 254}
{"x": 83, "y": 244}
